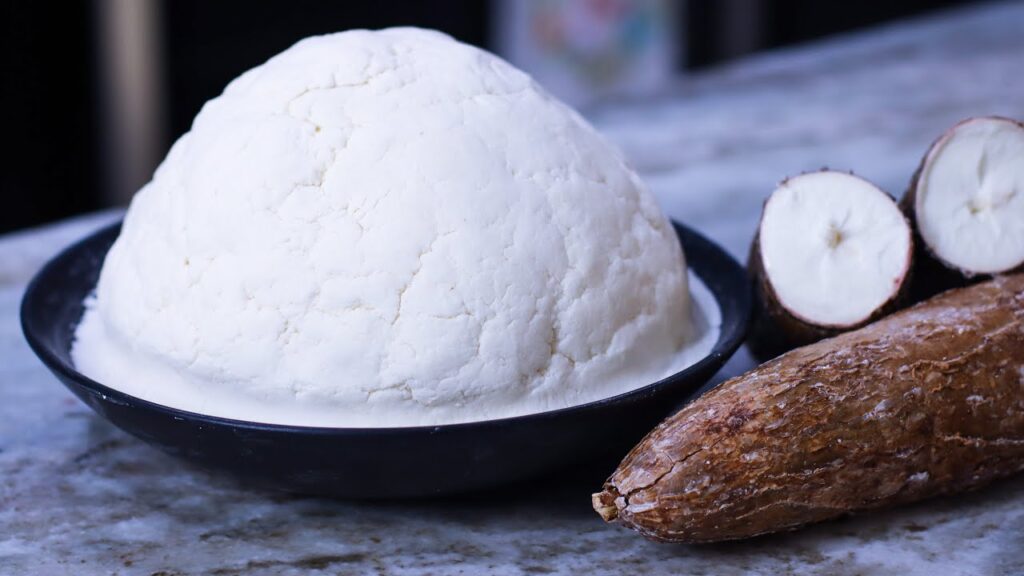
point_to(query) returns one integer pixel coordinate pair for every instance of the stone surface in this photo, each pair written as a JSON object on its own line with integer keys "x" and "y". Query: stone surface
{"x": 78, "y": 496}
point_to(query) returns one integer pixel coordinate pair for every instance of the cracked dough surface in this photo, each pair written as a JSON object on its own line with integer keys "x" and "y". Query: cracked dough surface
{"x": 387, "y": 228}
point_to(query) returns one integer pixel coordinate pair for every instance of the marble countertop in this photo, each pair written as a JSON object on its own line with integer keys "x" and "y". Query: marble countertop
{"x": 78, "y": 496}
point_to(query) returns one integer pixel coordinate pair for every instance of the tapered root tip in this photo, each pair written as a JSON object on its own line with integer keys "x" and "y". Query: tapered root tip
{"x": 604, "y": 504}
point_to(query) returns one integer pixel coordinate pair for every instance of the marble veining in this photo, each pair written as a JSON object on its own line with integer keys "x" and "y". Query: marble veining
{"x": 77, "y": 496}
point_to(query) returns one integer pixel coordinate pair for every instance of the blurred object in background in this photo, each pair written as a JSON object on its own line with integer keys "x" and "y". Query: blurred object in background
{"x": 96, "y": 91}
{"x": 582, "y": 50}
{"x": 132, "y": 94}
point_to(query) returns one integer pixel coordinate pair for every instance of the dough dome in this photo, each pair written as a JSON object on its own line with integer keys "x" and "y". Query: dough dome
{"x": 387, "y": 228}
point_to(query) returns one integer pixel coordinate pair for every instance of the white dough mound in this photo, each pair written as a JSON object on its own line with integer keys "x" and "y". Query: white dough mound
{"x": 382, "y": 229}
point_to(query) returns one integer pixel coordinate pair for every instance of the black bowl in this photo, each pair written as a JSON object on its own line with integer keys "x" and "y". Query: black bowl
{"x": 379, "y": 462}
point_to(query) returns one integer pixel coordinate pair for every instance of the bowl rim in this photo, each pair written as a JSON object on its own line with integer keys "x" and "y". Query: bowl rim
{"x": 730, "y": 337}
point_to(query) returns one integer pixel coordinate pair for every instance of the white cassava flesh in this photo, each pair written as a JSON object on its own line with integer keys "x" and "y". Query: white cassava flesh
{"x": 968, "y": 198}
{"x": 834, "y": 248}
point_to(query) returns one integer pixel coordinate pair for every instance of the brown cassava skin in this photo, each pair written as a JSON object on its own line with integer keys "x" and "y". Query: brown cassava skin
{"x": 775, "y": 329}
{"x": 927, "y": 401}
{"x": 933, "y": 274}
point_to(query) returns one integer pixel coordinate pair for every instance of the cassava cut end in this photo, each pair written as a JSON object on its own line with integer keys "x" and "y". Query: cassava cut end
{"x": 966, "y": 202}
{"x": 832, "y": 253}
{"x": 924, "y": 402}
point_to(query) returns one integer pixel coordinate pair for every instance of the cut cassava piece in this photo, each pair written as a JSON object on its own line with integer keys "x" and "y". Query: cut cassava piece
{"x": 832, "y": 253}
{"x": 966, "y": 203}
{"x": 927, "y": 401}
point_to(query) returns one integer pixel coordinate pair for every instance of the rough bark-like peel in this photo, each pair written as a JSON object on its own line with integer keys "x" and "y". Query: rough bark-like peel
{"x": 924, "y": 402}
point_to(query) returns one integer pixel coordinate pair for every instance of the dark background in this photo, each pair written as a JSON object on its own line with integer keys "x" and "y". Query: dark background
{"x": 50, "y": 67}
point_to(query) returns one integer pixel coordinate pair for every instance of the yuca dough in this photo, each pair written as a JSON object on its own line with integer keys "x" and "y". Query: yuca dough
{"x": 384, "y": 229}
